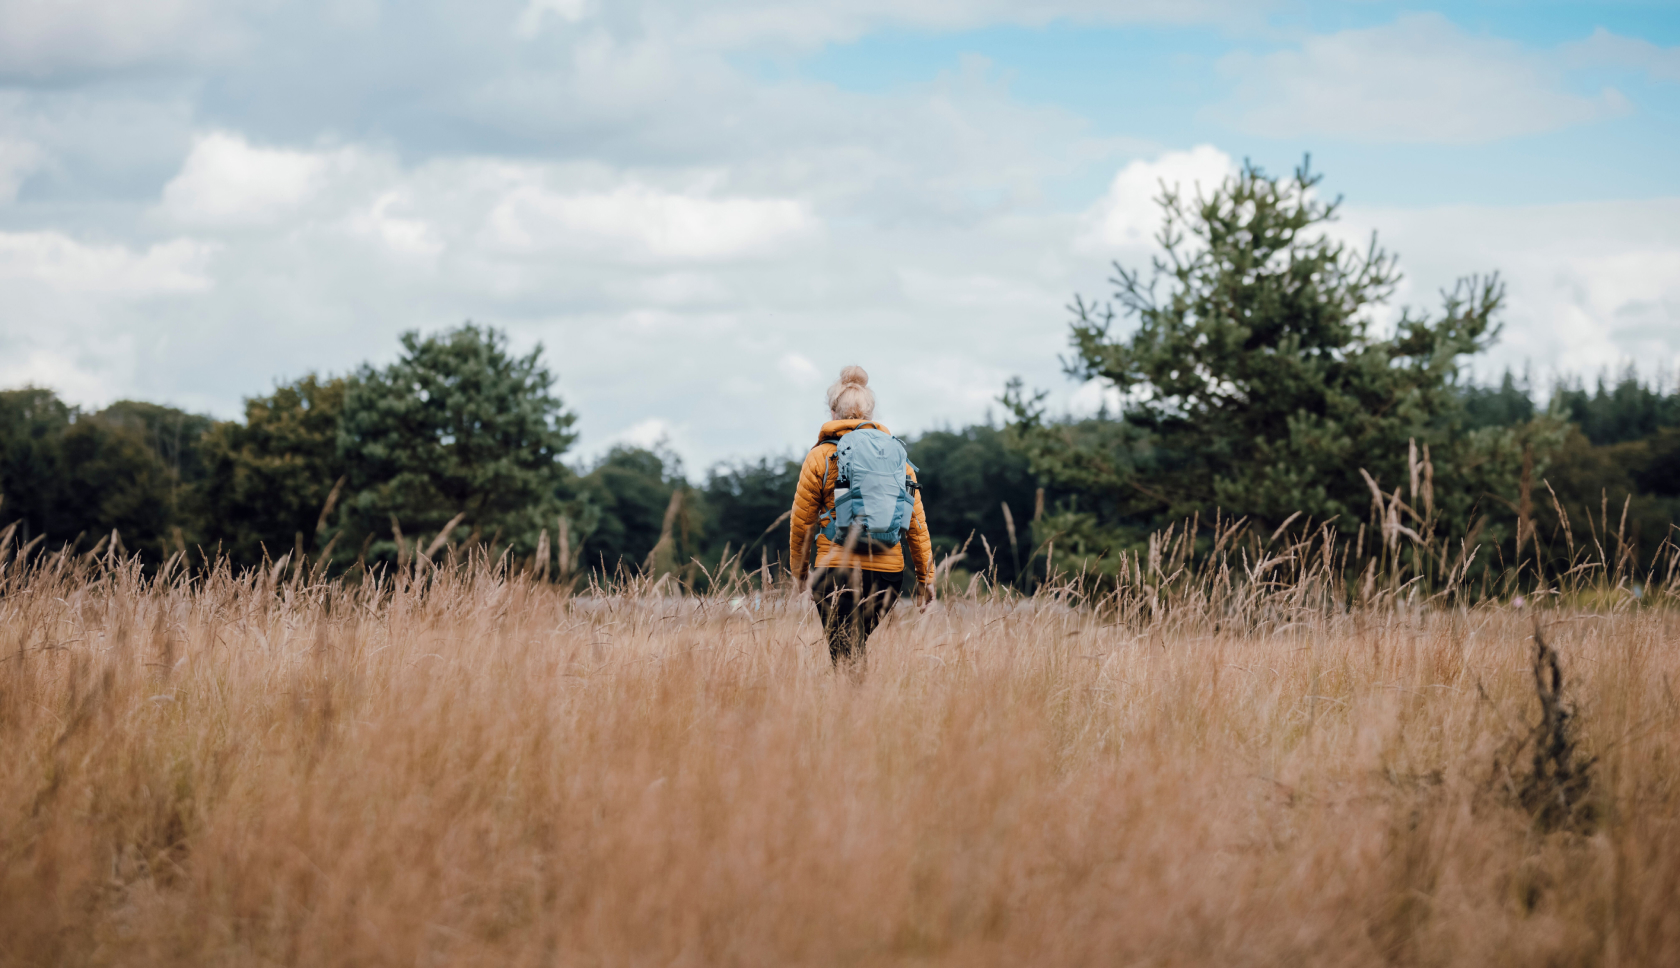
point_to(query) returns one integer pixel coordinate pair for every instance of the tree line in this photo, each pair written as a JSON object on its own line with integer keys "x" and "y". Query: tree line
{"x": 459, "y": 443}
{"x": 1251, "y": 380}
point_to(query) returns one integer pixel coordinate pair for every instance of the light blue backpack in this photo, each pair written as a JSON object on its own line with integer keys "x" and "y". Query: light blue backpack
{"x": 873, "y": 491}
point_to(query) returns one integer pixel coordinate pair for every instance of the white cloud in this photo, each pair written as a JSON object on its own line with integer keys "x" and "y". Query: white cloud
{"x": 1419, "y": 79}
{"x": 1128, "y": 215}
{"x": 92, "y": 379}
{"x": 18, "y": 159}
{"x": 227, "y": 180}
{"x": 46, "y": 38}
{"x": 76, "y": 311}
{"x": 942, "y": 293}
{"x": 735, "y": 24}
{"x": 647, "y": 222}
{"x": 798, "y": 369}
{"x": 652, "y": 432}
{"x": 65, "y": 38}
{"x": 692, "y": 290}
{"x": 538, "y": 12}
{"x": 1095, "y": 395}
{"x": 1605, "y": 49}
{"x": 385, "y": 221}
{"x": 699, "y": 248}
{"x": 1590, "y": 285}
{"x": 59, "y": 262}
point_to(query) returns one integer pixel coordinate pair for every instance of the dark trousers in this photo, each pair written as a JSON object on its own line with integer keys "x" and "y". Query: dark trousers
{"x": 852, "y": 602}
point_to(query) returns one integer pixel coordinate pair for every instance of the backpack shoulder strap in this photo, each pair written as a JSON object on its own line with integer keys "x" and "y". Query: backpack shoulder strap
{"x": 836, "y": 442}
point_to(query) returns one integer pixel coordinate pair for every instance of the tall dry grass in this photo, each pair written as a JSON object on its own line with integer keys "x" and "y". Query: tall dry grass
{"x": 474, "y": 768}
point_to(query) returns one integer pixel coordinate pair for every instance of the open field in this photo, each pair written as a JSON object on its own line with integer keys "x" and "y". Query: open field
{"x": 481, "y": 770}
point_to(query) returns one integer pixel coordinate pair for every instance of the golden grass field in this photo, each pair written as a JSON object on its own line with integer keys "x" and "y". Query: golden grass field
{"x": 478, "y": 769}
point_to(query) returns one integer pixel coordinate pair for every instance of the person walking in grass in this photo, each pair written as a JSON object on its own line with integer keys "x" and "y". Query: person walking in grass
{"x": 859, "y": 497}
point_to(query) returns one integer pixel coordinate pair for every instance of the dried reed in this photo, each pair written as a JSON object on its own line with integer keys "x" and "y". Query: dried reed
{"x": 1237, "y": 763}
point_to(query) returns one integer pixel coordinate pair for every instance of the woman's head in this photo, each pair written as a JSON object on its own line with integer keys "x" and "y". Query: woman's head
{"x": 850, "y": 397}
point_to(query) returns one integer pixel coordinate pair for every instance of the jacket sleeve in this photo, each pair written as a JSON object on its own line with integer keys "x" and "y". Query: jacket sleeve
{"x": 921, "y": 544}
{"x": 807, "y": 501}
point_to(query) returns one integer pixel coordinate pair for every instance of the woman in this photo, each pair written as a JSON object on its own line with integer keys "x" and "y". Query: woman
{"x": 858, "y": 572}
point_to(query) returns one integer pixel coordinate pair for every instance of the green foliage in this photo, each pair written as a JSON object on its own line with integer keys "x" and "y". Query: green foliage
{"x": 1506, "y": 405}
{"x": 113, "y": 481}
{"x": 1611, "y": 415}
{"x": 132, "y": 468}
{"x": 174, "y": 435}
{"x": 1621, "y": 451}
{"x": 1597, "y": 484}
{"x": 967, "y": 476}
{"x": 457, "y": 425}
{"x": 174, "y": 440}
{"x": 742, "y": 503}
{"x": 630, "y": 491}
{"x": 1257, "y": 383}
{"x": 32, "y": 425}
{"x": 268, "y": 478}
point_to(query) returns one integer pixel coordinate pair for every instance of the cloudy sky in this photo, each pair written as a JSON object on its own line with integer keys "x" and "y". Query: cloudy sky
{"x": 702, "y": 210}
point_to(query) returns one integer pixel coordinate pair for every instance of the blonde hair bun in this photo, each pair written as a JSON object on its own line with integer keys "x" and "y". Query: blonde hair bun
{"x": 850, "y": 397}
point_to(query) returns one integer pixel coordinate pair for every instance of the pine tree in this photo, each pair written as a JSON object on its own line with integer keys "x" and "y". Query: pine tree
{"x": 1256, "y": 379}
{"x": 458, "y": 425}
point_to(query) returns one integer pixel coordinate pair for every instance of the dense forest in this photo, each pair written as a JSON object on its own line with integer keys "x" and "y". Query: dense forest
{"x": 1253, "y": 388}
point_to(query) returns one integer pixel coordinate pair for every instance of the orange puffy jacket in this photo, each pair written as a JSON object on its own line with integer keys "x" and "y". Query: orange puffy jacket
{"x": 816, "y": 494}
